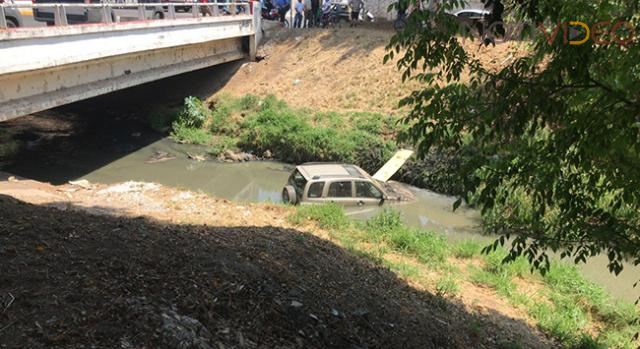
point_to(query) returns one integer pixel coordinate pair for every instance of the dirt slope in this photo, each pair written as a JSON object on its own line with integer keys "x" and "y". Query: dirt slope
{"x": 338, "y": 69}
{"x": 138, "y": 265}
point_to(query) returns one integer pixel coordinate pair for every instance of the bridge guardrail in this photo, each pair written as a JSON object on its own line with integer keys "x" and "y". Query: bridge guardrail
{"x": 198, "y": 9}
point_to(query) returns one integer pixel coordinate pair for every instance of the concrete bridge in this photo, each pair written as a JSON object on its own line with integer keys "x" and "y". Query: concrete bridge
{"x": 45, "y": 67}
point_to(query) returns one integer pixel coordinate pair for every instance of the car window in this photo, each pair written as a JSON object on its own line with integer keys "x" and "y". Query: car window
{"x": 367, "y": 190}
{"x": 340, "y": 190}
{"x": 315, "y": 190}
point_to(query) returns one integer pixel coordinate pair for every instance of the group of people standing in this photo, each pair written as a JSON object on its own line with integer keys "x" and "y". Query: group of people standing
{"x": 309, "y": 13}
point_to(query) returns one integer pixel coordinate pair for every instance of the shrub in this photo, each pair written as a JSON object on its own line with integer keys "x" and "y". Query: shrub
{"x": 194, "y": 114}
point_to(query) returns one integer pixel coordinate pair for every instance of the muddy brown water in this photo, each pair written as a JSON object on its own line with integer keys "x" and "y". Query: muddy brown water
{"x": 263, "y": 180}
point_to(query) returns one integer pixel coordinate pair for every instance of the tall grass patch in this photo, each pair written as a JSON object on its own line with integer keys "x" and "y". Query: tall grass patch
{"x": 429, "y": 247}
{"x": 466, "y": 249}
{"x": 328, "y": 216}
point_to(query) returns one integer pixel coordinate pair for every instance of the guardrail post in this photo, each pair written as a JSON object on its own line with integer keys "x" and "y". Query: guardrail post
{"x": 172, "y": 11}
{"x": 63, "y": 15}
{"x": 106, "y": 13}
{"x": 3, "y": 19}
{"x": 195, "y": 11}
{"x": 59, "y": 15}
{"x": 216, "y": 10}
{"x": 141, "y": 14}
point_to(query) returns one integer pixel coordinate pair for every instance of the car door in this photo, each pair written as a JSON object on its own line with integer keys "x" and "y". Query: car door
{"x": 367, "y": 194}
{"x": 340, "y": 192}
{"x": 314, "y": 192}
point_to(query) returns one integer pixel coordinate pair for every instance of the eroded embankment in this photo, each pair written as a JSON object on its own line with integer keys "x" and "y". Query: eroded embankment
{"x": 131, "y": 262}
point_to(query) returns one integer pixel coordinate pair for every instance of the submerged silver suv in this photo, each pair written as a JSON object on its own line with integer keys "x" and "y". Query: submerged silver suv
{"x": 344, "y": 184}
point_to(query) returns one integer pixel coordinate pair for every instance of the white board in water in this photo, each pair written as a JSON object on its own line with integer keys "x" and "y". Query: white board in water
{"x": 393, "y": 165}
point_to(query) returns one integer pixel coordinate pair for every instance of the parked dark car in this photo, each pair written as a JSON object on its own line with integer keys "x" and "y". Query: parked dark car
{"x": 12, "y": 15}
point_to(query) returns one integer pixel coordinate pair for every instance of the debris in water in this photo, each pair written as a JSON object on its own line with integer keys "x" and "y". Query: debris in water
{"x": 196, "y": 157}
{"x": 160, "y": 156}
{"x": 82, "y": 183}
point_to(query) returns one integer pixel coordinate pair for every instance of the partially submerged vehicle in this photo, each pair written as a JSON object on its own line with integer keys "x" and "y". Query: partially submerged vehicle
{"x": 344, "y": 184}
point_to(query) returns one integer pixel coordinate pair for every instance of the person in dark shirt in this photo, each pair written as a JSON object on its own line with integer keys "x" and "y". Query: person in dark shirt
{"x": 356, "y": 7}
{"x": 283, "y": 8}
{"x": 315, "y": 7}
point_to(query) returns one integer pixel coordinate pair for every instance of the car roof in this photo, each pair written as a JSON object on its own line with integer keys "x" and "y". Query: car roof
{"x": 323, "y": 170}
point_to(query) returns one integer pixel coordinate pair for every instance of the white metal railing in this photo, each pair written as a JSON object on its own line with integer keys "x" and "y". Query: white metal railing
{"x": 108, "y": 10}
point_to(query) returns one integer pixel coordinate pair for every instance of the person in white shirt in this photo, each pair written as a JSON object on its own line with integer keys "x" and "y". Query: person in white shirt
{"x": 326, "y": 13}
{"x": 297, "y": 21}
{"x": 326, "y": 7}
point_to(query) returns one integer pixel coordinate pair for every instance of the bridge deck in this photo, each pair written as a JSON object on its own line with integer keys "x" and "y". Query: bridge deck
{"x": 50, "y": 66}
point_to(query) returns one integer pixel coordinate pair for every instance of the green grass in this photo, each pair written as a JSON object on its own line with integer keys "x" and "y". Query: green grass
{"x": 447, "y": 286}
{"x": 466, "y": 249}
{"x": 403, "y": 269}
{"x": 328, "y": 216}
{"x": 563, "y": 307}
{"x": 190, "y": 135}
{"x": 429, "y": 247}
{"x": 572, "y": 302}
{"x": 501, "y": 282}
{"x": 218, "y": 144}
{"x": 257, "y": 124}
